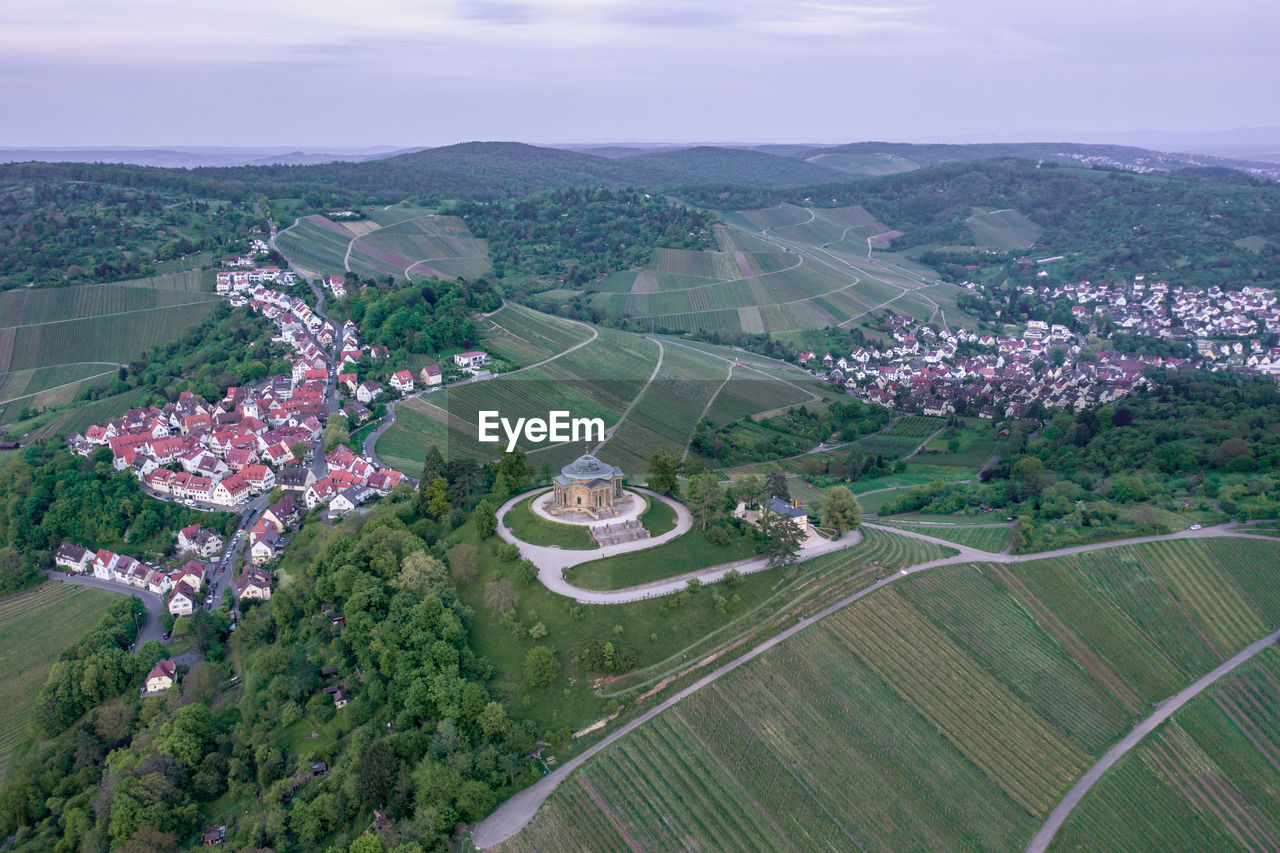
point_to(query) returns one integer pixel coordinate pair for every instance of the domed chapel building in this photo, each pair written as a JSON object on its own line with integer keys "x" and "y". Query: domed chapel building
{"x": 589, "y": 486}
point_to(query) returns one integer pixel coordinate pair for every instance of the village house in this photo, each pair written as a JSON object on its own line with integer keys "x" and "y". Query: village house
{"x": 283, "y": 513}
{"x": 73, "y": 558}
{"x": 266, "y": 548}
{"x": 253, "y": 585}
{"x": 367, "y": 391}
{"x": 340, "y": 696}
{"x": 183, "y": 598}
{"x": 472, "y": 360}
{"x": 161, "y": 677}
{"x": 199, "y": 540}
{"x": 431, "y": 374}
{"x": 402, "y": 381}
{"x": 295, "y": 479}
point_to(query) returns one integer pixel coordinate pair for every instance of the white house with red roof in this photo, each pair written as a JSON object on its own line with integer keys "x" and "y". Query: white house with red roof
{"x": 471, "y": 359}
{"x": 260, "y": 477}
{"x": 402, "y": 381}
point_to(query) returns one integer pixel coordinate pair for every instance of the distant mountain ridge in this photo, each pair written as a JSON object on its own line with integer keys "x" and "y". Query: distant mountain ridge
{"x": 184, "y": 157}
{"x": 491, "y": 170}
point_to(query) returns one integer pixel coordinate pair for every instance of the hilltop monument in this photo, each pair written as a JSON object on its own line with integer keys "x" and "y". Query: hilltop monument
{"x": 588, "y": 486}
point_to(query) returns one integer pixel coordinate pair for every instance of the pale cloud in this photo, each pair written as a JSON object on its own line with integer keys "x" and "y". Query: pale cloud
{"x": 434, "y": 72}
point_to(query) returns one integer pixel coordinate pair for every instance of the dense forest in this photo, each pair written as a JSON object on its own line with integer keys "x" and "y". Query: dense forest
{"x": 1195, "y": 439}
{"x": 64, "y": 231}
{"x": 575, "y": 237}
{"x": 422, "y": 740}
{"x": 416, "y": 317}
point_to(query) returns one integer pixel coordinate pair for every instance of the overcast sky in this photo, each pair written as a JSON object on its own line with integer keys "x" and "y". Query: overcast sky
{"x": 317, "y": 73}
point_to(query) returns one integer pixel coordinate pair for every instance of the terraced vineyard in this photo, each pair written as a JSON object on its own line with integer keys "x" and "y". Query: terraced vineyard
{"x": 34, "y": 628}
{"x": 398, "y": 242}
{"x": 1003, "y": 230}
{"x": 523, "y": 336}
{"x": 1207, "y": 780}
{"x": 600, "y": 379}
{"x": 425, "y": 246}
{"x": 56, "y": 341}
{"x": 777, "y": 270}
{"x": 969, "y": 698}
{"x": 316, "y": 244}
{"x": 994, "y": 539}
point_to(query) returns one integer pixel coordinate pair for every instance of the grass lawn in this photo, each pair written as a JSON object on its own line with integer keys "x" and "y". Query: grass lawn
{"x": 683, "y": 554}
{"x": 658, "y": 518}
{"x": 538, "y": 531}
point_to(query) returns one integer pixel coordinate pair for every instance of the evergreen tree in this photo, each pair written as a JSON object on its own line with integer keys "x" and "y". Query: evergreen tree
{"x": 775, "y": 486}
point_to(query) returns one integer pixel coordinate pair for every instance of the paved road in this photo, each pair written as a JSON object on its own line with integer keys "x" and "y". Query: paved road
{"x": 1091, "y": 777}
{"x": 151, "y": 628}
{"x": 511, "y": 816}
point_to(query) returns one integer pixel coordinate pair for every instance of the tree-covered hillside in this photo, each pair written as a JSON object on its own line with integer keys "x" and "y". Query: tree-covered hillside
{"x": 1099, "y": 219}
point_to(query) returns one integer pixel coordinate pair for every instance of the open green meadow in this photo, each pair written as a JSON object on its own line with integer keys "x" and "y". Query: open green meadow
{"x": 530, "y": 528}
{"x": 969, "y": 698}
{"x": 687, "y": 553}
{"x": 35, "y": 627}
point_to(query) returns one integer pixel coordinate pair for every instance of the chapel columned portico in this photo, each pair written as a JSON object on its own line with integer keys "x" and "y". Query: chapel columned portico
{"x": 590, "y": 487}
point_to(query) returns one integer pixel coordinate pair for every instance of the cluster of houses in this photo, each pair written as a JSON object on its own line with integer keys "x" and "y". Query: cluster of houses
{"x": 219, "y": 454}
{"x": 230, "y": 282}
{"x": 1001, "y": 377}
{"x": 351, "y": 480}
{"x": 1161, "y": 310}
{"x": 1004, "y": 376}
{"x": 250, "y": 258}
{"x": 118, "y": 568}
{"x": 180, "y": 587}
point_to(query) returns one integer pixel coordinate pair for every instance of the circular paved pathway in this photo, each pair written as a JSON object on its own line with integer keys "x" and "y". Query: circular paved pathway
{"x": 552, "y": 562}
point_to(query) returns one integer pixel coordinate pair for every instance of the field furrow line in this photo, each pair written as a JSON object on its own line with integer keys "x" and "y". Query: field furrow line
{"x": 1072, "y": 642}
{"x": 1248, "y": 728}
{"x": 609, "y": 815}
{"x": 728, "y": 773}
